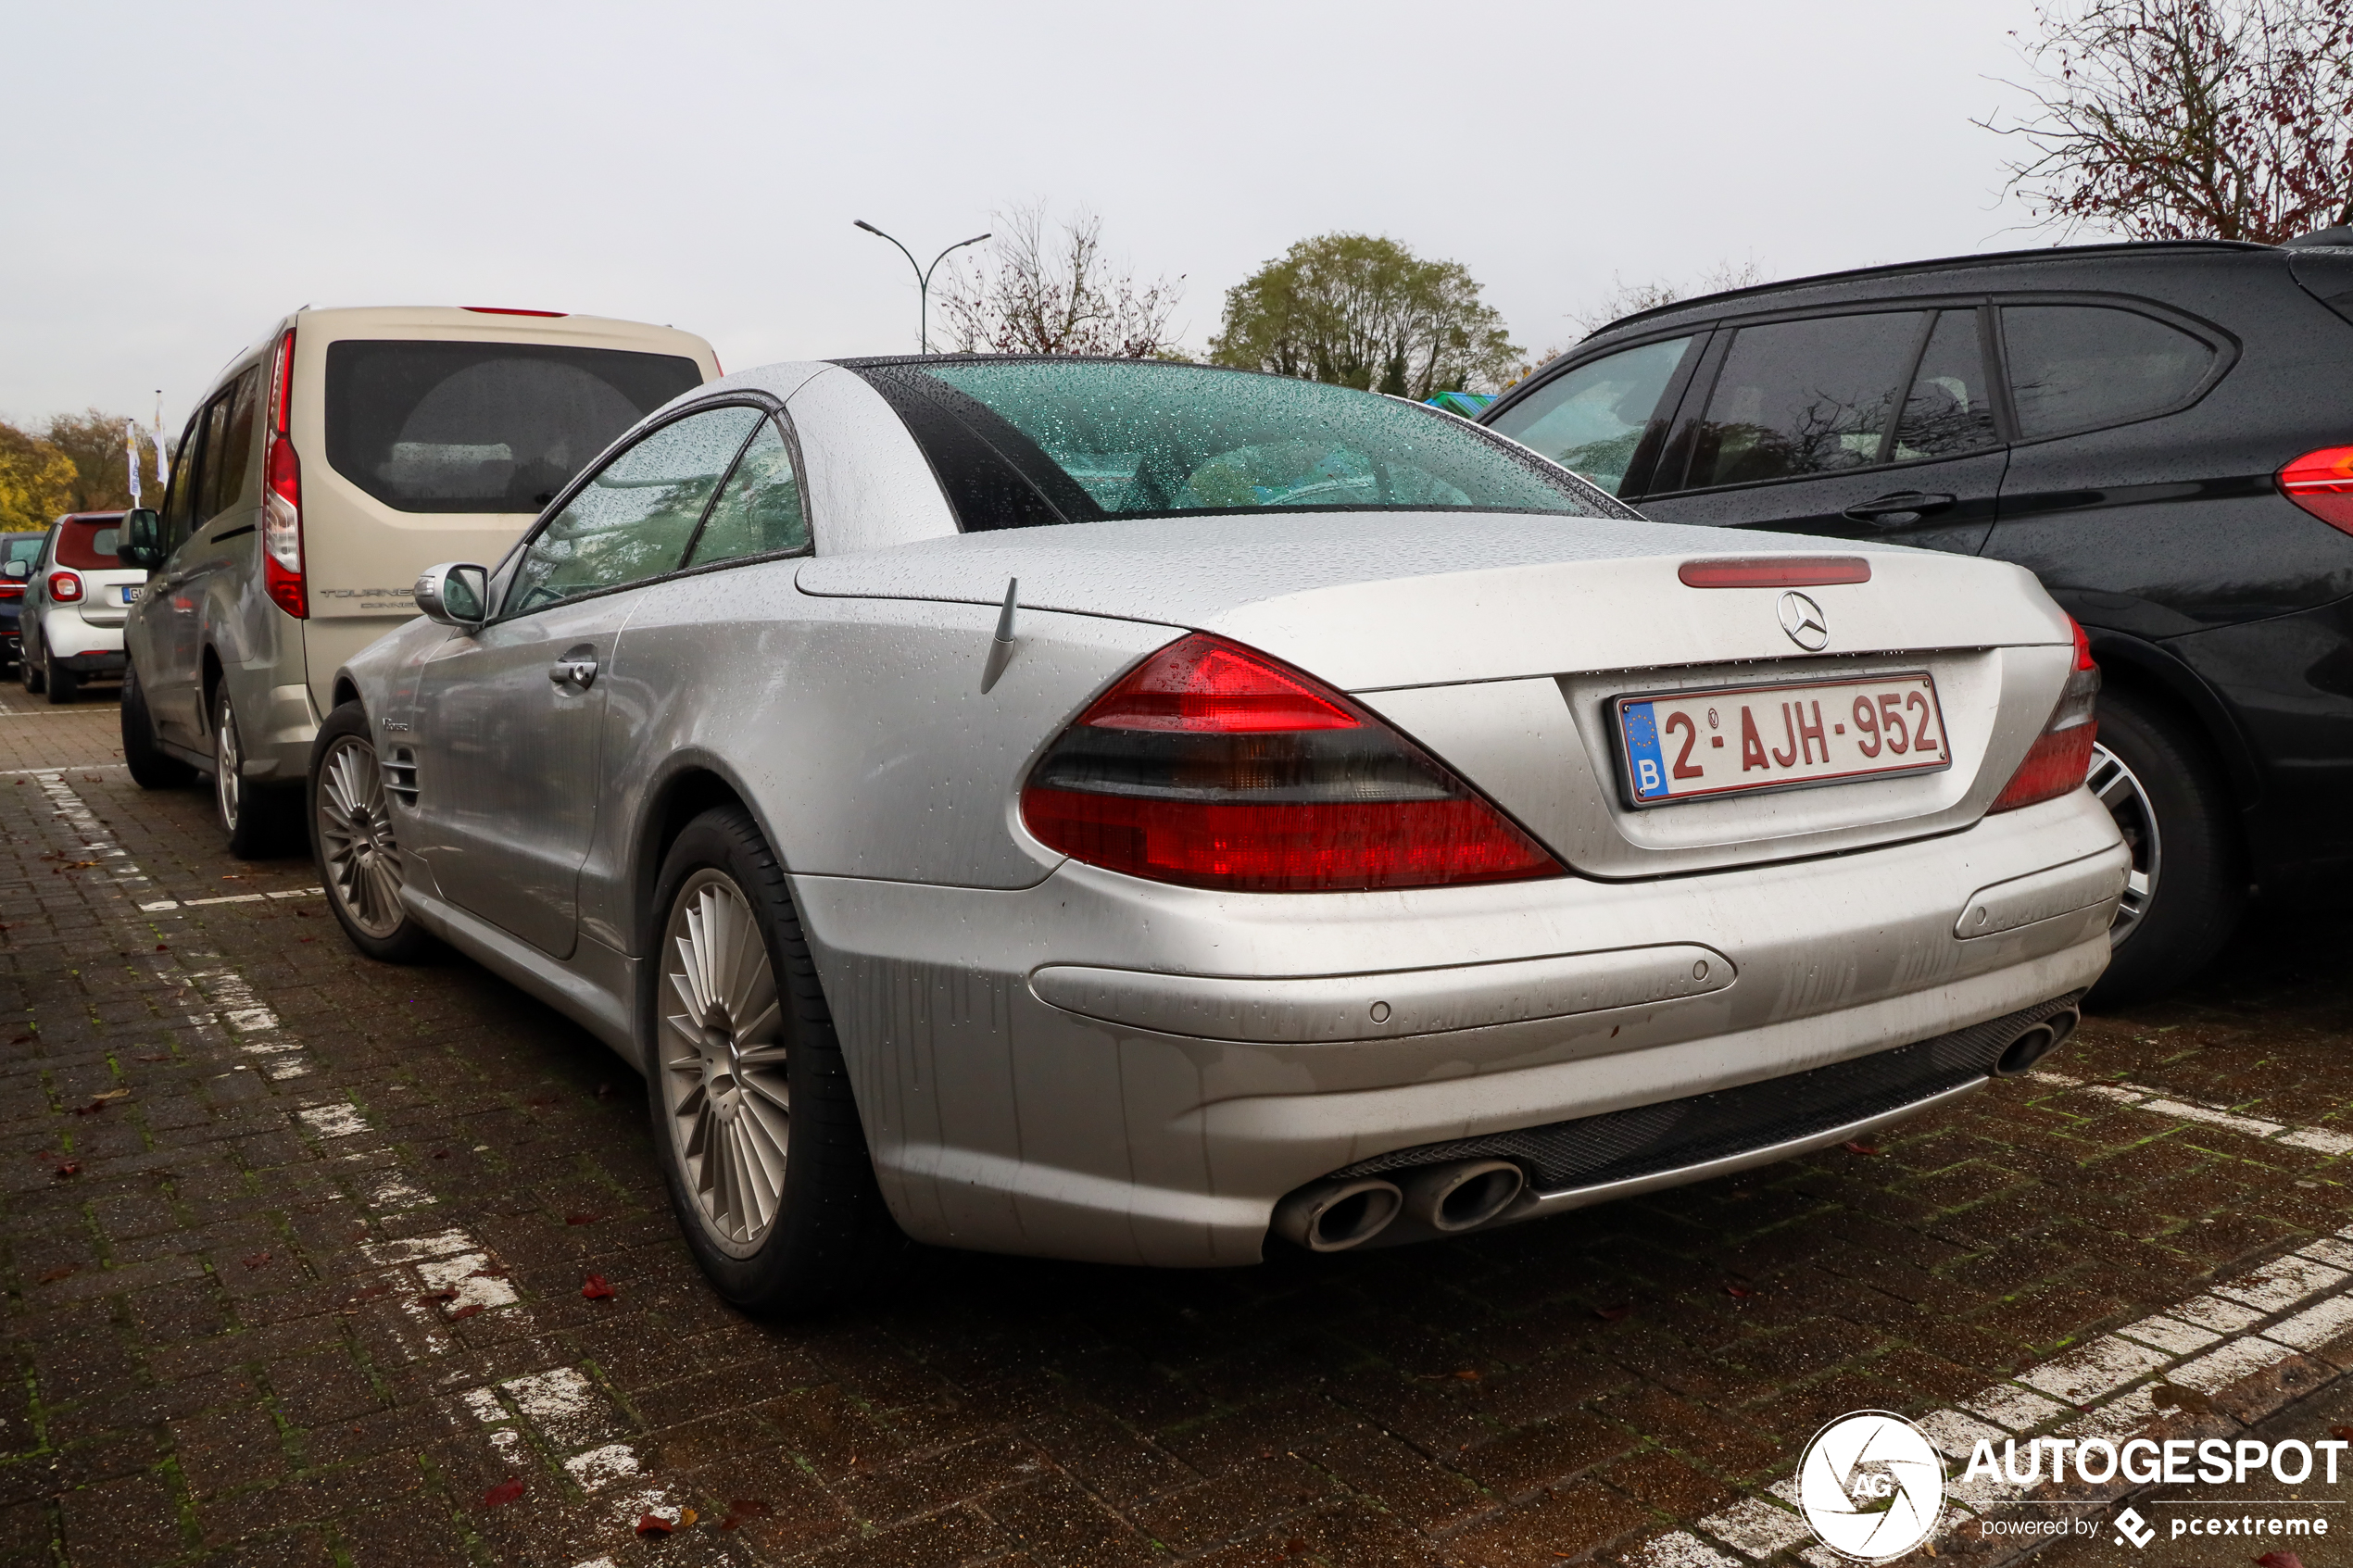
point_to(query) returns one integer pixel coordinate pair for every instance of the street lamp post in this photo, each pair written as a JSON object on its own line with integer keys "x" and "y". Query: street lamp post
{"x": 923, "y": 278}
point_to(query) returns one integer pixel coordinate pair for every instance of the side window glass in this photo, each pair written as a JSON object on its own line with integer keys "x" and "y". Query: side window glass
{"x": 232, "y": 451}
{"x": 1590, "y": 420}
{"x": 759, "y": 512}
{"x": 179, "y": 515}
{"x": 1804, "y": 397}
{"x": 2076, "y": 366}
{"x": 1947, "y": 411}
{"x": 634, "y": 519}
{"x": 216, "y": 457}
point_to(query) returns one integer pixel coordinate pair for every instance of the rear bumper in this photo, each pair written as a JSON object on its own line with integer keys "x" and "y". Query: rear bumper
{"x": 1102, "y": 1068}
{"x": 67, "y": 636}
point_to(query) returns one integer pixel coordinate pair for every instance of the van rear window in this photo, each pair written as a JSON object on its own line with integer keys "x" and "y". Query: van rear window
{"x": 89, "y": 544}
{"x": 484, "y": 427}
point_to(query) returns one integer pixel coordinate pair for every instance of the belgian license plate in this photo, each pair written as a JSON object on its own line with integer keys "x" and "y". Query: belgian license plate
{"x": 130, "y": 592}
{"x": 1689, "y": 746}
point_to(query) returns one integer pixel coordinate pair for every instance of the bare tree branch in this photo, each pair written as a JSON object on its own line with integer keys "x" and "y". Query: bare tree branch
{"x": 1044, "y": 287}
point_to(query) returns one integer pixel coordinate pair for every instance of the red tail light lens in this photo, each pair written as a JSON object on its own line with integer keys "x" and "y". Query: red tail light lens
{"x": 281, "y": 576}
{"x": 1211, "y": 765}
{"x": 2322, "y": 482}
{"x": 64, "y": 587}
{"x": 2061, "y": 755}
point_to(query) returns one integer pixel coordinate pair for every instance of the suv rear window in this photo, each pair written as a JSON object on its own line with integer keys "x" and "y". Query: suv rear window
{"x": 89, "y": 544}
{"x": 484, "y": 427}
{"x": 1019, "y": 443}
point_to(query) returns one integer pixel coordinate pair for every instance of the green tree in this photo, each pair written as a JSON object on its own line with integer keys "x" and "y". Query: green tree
{"x": 1358, "y": 310}
{"x": 36, "y": 480}
{"x": 102, "y": 480}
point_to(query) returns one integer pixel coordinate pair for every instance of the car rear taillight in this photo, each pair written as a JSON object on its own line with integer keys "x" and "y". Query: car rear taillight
{"x": 2322, "y": 482}
{"x": 2061, "y": 755}
{"x": 281, "y": 576}
{"x": 1211, "y": 765}
{"x": 64, "y": 587}
{"x": 11, "y": 590}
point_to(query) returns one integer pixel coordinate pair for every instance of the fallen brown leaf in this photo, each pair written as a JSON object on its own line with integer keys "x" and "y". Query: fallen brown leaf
{"x": 2280, "y": 1560}
{"x": 1737, "y": 1292}
{"x": 2345, "y": 1432}
{"x": 504, "y": 1492}
{"x": 53, "y": 1275}
{"x": 1466, "y": 1376}
{"x": 654, "y": 1525}
{"x": 581, "y": 1218}
{"x": 468, "y": 1310}
{"x": 71, "y": 1168}
{"x": 256, "y": 1260}
{"x": 1615, "y": 1314}
{"x": 1856, "y": 1146}
{"x": 596, "y": 1289}
{"x": 160, "y": 947}
{"x": 446, "y": 1293}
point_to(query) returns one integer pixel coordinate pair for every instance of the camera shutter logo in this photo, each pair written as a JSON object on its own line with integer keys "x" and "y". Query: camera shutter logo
{"x": 1871, "y": 1486}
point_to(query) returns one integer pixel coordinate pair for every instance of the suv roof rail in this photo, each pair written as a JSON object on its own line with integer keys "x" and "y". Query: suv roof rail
{"x": 1938, "y": 264}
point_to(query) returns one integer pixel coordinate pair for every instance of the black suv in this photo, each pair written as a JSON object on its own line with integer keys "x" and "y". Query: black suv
{"x": 2163, "y": 434}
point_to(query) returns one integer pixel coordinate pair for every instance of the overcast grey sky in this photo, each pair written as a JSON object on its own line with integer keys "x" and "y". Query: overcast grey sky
{"x": 181, "y": 176}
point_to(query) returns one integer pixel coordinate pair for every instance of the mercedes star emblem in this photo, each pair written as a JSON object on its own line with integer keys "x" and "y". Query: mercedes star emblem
{"x": 1802, "y": 619}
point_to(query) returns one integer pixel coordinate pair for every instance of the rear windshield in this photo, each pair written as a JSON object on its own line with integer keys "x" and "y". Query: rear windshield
{"x": 88, "y": 545}
{"x": 1023, "y": 442}
{"x": 484, "y": 427}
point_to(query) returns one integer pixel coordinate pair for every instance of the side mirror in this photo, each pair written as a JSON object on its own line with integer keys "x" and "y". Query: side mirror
{"x": 17, "y": 571}
{"x": 455, "y": 593}
{"x": 140, "y": 541}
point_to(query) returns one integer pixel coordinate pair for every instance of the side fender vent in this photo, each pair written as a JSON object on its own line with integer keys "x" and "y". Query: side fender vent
{"x": 400, "y": 775}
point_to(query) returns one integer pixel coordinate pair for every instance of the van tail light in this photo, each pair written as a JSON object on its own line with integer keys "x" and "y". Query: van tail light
{"x": 281, "y": 576}
{"x": 2061, "y": 755}
{"x": 2322, "y": 482}
{"x": 64, "y": 587}
{"x": 1211, "y": 765}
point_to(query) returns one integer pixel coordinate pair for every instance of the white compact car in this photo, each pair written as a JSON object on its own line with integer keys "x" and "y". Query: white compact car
{"x": 75, "y": 602}
{"x": 1140, "y": 811}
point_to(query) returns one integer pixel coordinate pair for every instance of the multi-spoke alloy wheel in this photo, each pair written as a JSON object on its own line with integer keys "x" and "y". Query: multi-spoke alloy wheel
{"x": 2128, "y": 801}
{"x": 228, "y": 765}
{"x": 722, "y": 1059}
{"x": 355, "y": 843}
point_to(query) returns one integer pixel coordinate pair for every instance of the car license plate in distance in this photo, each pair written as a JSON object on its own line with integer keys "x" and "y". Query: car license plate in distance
{"x": 130, "y": 592}
{"x": 1734, "y": 740}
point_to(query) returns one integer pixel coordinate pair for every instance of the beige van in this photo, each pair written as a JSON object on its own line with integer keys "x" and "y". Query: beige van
{"x": 331, "y": 462}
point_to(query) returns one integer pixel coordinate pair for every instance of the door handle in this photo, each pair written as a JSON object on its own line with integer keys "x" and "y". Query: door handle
{"x": 1904, "y": 505}
{"x": 576, "y": 672}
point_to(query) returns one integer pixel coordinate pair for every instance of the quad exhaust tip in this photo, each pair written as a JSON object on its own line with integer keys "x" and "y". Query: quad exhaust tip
{"x": 2037, "y": 1041}
{"x": 1335, "y": 1215}
{"x": 1340, "y": 1213}
{"x": 1463, "y": 1195}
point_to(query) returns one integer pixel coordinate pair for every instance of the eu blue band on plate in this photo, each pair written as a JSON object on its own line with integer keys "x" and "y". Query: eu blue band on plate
{"x": 1642, "y": 758}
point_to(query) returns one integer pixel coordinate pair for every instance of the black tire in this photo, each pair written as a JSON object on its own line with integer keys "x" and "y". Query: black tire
{"x": 64, "y": 684}
{"x": 2170, "y": 802}
{"x": 831, "y": 1239}
{"x": 254, "y": 820}
{"x": 355, "y": 831}
{"x": 28, "y": 672}
{"x": 151, "y": 766}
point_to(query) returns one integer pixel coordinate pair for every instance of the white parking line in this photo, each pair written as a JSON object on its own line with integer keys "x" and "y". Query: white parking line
{"x": 2321, "y": 1140}
{"x": 442, "y": 1276}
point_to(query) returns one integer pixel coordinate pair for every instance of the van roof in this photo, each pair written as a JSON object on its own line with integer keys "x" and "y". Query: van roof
{"x": 479, "y": 324}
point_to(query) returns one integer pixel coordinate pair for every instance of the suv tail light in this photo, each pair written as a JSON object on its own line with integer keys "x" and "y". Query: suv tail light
{"x": 2061, "y": 755}
{"x": 1211, "y": 765}
{"x": 2322, "y": 482}
{"x": 11, "y": 589}
{"x": 281, "y": 576}
{"x": 64, "y": 587}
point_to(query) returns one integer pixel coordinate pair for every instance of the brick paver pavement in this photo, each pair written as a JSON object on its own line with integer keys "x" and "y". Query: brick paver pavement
{"x": 294, "y": 1248}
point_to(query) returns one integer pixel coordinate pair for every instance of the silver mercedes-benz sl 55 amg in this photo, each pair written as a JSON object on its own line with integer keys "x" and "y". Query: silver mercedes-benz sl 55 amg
{"x": 1131, "y": 812}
